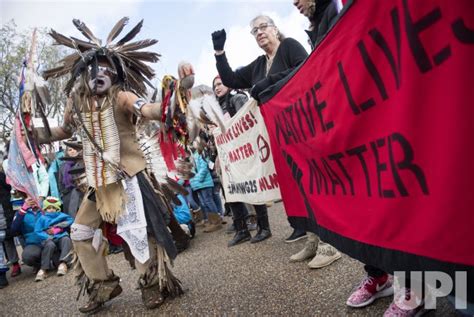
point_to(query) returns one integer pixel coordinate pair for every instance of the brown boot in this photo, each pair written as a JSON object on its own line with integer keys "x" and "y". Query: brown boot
{"x": 197, "y": 215}
{"x": 99, "y": 293}
{"x": 152, "y": 296}
{"x": 201, "y": 223}
{"x": 198, "y": 218}
{"x": 214, "y": 223}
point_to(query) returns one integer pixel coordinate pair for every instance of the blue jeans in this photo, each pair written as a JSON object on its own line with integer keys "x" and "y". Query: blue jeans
{"x": 217, "y": 200}
{"x": 190, "y": 199}
{"x": 206, "y": 197}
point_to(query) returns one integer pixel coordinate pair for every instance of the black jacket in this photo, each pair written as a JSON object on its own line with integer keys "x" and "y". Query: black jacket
{"x": 323, "y": 19}
{"x": 289, "y": 55}
{"x": 232, "y": 102}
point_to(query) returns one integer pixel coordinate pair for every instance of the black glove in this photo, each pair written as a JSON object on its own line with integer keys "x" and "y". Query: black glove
{"x": 218, "y": 40}
{"x": 259, "y": 87}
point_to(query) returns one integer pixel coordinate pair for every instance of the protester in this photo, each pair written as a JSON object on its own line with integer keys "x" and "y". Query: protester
{"x": 9, "y": 212}
{"x": 24, "y": 223}
{"x": 70, "y": 195}
{"x": 327, "y": 254}
{"x": 210, "y": 154}
{"x": 204, "y": 186}
{"x": 3, "y": 260}
{"x": 52, "y": 229}
{"x": 322, "y": 15}
{"x": 231, "y": 101}
{"x": 53, "y": 172}
{"x": 190, "y": 197}
{"x": 16, "y": 202}
{"x": 183, "y": 216}
{"x": 280, "y": 55}
{"x": 377, "y": 283}
{"x": 211, "y": 158}
{"x": 78, "y": 176}
{"x": 41, "y": 179}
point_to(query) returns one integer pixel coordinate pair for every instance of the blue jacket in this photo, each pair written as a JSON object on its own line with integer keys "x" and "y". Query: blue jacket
{"x": 52, "y": 172}
{"x": 182, "y": 213}
{"x": 24, "y": 224}
{"x": 203, "y": 178}
{"x": 49, "y": 220}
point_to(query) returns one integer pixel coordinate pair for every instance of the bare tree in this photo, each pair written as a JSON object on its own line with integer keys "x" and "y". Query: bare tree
{"x": 14, "y": 48}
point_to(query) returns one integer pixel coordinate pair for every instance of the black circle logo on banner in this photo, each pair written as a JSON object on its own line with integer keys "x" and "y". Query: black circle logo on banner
{"x": 263, "y": 148}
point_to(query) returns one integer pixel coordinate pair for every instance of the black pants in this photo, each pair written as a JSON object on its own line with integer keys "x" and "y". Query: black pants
{"x": 239, "y": 211}
{"x": 374, "y": 271}
{"x": 262, "y": 216}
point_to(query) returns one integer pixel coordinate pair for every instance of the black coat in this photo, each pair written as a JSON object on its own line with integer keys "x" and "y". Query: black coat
{"x": 289, "y": 55}
{"x": 323, "y": 19}
{"x": 232, "y": 102}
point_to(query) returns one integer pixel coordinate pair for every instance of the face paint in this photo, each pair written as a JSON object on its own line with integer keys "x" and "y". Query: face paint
{"x": 103, "y": 81}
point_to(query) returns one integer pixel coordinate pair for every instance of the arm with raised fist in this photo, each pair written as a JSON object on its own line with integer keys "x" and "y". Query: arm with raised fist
{"x": 242, "y": 77}
{"x": 218, "y": 41}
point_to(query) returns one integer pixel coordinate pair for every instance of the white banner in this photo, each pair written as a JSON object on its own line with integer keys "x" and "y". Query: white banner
{"x": 248, "y": 172}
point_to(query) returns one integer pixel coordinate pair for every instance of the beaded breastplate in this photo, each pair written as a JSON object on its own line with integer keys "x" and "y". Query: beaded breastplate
{"x": 101, "y": 125}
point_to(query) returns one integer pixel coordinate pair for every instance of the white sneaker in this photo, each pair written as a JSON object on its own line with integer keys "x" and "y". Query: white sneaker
{"x": 325, "y": 255}
{"x": 62, "y": 269}
{"x": 41, "y": 275}
{"x": 308, "y": 252}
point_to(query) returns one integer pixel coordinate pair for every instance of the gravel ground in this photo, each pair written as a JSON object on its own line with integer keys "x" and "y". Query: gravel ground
{"x": 243, "y": 280}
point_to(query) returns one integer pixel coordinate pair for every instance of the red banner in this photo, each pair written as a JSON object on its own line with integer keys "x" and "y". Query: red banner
{"x": 376, "y": 129}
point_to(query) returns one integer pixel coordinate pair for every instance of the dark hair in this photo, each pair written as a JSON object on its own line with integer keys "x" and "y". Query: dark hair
{"x": 213, "y": 81}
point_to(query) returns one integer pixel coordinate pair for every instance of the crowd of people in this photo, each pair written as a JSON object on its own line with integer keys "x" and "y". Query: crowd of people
{"x": 73, "y": 206}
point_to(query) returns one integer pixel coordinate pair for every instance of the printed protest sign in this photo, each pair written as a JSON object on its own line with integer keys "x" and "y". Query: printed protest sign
{"x": 248, "y": 172}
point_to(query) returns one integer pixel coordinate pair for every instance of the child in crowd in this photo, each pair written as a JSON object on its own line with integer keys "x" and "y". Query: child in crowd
{"x": 183, "y": 216}
{"x": 23, "y": 225}
{"x": 204, "y": 186}
{"x": 52, "y": 229}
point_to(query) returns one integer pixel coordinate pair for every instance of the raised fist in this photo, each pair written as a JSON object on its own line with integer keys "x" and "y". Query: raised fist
{"x": 218, "y": 40}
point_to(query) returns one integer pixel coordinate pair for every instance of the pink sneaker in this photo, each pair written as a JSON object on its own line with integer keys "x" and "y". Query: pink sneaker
{"x": 402, "y": 306}
{"x": 370, "y": 289}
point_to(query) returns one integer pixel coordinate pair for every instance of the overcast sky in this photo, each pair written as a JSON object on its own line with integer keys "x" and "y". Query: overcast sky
{"x": 183, "y": 27}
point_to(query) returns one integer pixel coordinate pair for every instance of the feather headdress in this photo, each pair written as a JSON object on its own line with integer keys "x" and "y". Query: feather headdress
{"x": 124, "y": 57}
